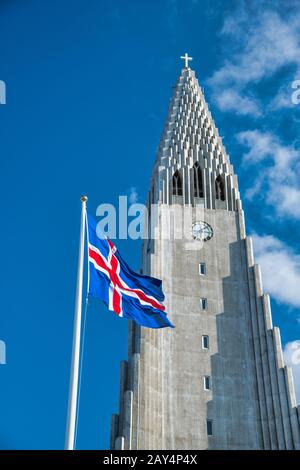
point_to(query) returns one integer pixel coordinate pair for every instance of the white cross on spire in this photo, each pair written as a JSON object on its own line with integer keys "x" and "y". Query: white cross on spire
{"x": 186, "y": 58}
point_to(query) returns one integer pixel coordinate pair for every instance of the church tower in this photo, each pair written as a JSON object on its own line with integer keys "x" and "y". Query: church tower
{"x": 216, "y": 381}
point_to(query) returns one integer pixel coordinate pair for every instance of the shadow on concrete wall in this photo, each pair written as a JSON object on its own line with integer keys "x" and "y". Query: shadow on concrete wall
{"x": 234, "y": 406}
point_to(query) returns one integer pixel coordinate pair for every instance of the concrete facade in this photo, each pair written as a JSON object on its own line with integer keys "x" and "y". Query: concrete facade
{"x": 220, "y": 371}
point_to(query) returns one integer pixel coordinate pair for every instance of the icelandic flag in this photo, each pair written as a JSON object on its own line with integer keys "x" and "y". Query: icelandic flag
{"x": 128, "y": 294}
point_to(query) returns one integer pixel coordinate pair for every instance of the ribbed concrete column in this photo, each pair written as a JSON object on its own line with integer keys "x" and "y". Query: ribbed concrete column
{"x": 213, "y": 189}
{"x": 242, "y": 224}
{"x": 120, "y": 443}
{"x": 275, "y": 391}
{"x": 265, "y": 362}
{"x": 282, "y": 390}
{"x": 136, "y": 397}
{"x": 226, "y": 178}
{"x": 257, "y": 346}
{"x": 204, "y": 182}
{"x": 151, "y": 399}
{"x": 114, "y": 429}
{"x": 123, "y": 383}
{"x": 273, "y": 372}
{"x": 292, "y": 406}
{"x": 187, "y": 186}
{"x": 229, "y": 193}
{"x": 128, "y": 399}
{"x": 208, "y": 189}
{"x": 130, "y": 339}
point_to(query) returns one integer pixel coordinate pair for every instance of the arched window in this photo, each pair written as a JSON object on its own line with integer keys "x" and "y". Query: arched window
{"x": 220, "y": 188}
{"x": 198, "y": 183}
{"x": 177, "y": 184}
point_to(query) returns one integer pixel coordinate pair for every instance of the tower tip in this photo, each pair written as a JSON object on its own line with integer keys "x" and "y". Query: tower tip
{"x": 186, "y": 59}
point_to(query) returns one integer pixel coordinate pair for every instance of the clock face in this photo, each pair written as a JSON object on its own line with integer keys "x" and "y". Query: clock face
{"x": 202, "y": 231}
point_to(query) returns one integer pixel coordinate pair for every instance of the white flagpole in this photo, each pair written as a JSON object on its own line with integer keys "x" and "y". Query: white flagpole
{"x": 73, "y": 392}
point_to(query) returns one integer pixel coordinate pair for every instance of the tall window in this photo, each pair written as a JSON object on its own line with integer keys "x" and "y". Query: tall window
{"x": 209, "y": 427}
{"x": 220, "y": 188}
{"x": 177, "y": 184}
{"x": 198, "y": 183}
{"x": 202, "y": 269}
{"x": 203, "y": 303}
{"x": 205, "y": 342}
{"x": 206, "y": 382}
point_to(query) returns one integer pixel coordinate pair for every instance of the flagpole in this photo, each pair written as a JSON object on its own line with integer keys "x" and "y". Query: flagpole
{"x": 73, "y": 391}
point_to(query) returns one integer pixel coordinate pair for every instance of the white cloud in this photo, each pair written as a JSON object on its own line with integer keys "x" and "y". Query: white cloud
{"x": 231, "y": 100}
{"x": 283, "y": 99}
{"x": 280, "y": 269}
{"x": 287, "y": 201}
{"x": 265, "y": 145}
{"x": 291, "y": 354}
{"x": 280, "y": 174}
{"x": 261, "y": 44}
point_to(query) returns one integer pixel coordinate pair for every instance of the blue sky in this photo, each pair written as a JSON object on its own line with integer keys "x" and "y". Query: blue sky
{"x": 88, "y": 86}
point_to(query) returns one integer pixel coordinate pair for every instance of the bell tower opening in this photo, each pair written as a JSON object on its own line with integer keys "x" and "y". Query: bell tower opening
{"x": 220, "y": 188}
{"x": 198, "y": 181}
{"x": 177, "y": 184}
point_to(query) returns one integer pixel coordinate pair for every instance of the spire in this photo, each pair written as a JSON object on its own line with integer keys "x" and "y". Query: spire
{"x": 189, "y": 137}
